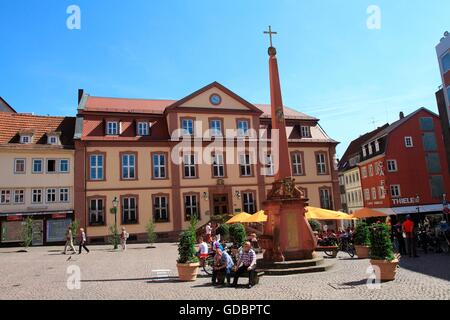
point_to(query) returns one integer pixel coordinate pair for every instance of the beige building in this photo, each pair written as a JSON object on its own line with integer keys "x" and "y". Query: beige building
{"x": 37, "y": 158}
{"x": 167, "y": 160}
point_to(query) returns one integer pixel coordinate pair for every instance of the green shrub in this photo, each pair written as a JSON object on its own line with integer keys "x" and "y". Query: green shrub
{"x": 114, "y": 239}
{"x": 223, "y": 230}
{"x": 27, "y": 232}
{"x": 362, "y": 237}
{"x": 74, "y": 228}
{"x": 237, "y": 234}
{"x": 380, "y": 242}
{"x": 186, "y": 245}
{"x": 315, "y": 225}
{"x": 151, "y": 234}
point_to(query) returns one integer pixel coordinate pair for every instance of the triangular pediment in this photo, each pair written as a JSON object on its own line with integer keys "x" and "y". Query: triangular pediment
{"x": 214, "y": 96}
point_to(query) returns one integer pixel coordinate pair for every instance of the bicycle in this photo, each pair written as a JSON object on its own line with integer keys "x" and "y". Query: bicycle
{"x": 344, "y": 246}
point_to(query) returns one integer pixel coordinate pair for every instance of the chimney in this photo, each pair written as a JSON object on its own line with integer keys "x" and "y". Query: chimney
{"x": 402, "y": 115}
{"x": 80, "y": 95}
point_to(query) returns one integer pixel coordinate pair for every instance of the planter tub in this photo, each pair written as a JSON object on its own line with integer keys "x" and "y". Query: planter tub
{"x": 362, "y": 251}
{"x": 387, "y": 269}
{"x": 188, "y": 271}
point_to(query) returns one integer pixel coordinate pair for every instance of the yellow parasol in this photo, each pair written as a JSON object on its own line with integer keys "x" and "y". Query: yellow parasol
{"x": 241, "y": 217}
{"x": 324, "y": 214}
{"x": 257, "y": 217}
{"x": 367, "y": 213}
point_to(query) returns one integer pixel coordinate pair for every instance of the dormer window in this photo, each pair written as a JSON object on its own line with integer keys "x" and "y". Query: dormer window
{"x": 112, "y": 128}
{"x": 364, "y": 151}
{"x": 370, "y": 148}
{"x": 143, "y": 129}
{"x": 377, "y": 146}
{"x": 25, "y": 139}
{"x": 305, "y": 131}
{"x": 53, "y": 139}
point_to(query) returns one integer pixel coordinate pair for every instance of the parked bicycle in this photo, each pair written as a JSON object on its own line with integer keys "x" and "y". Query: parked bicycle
{"x": 343, "y": 244}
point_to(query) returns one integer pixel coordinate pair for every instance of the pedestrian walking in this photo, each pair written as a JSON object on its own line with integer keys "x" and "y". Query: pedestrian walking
{"x": 208, "y": 231}
{"x": 69, "y": 241}
{"x": 408, "y": 228}
{"x": 123, "y": 239}
{"x": 82, "y": 241}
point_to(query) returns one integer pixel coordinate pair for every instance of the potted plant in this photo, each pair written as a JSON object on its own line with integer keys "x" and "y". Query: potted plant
{"x": 188, "y": 263}
{"x": 362, "y": 240}
{"x": 381, "y": 252}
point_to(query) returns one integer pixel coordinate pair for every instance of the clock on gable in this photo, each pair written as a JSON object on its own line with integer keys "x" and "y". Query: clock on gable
{"x": 215, "y": 99}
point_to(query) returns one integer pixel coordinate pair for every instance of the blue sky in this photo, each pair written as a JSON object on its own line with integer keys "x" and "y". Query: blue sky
{"x": 331, "y": 65}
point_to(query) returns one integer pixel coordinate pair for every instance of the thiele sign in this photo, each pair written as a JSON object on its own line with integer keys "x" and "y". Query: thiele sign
{"x": 403, "y": 201}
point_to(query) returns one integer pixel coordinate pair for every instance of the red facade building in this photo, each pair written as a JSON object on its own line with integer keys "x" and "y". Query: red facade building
{"x": 403, "y": 167}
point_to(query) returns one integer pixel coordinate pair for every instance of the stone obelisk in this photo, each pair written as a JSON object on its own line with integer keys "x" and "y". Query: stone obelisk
{"x": 287, "y": 233}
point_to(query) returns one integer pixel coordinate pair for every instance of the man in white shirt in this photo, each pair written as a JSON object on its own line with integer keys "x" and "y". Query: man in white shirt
{"x": 208, "y": 229}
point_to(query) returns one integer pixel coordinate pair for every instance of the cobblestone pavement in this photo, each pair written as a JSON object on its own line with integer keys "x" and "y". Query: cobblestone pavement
{"x": 41, "y": 273}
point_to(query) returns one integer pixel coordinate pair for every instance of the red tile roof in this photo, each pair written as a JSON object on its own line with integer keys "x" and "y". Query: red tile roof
{"x": 13, "y": 123}
{"x": 103, "y": 104}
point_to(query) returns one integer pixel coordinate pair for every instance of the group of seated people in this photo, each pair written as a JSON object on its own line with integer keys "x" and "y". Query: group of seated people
{"x": 225, "y": 265}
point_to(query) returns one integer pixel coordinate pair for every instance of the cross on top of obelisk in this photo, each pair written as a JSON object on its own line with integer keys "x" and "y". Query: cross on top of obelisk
{"x": 270, "y": 33}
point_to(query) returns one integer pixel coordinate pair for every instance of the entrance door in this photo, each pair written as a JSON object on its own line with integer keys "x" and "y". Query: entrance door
{"x": 38, "y": 233}
{"x": 220, "y": 203}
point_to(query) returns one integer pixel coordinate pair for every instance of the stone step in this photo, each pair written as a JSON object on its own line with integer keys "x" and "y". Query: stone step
{"x": 290, "y": 264}
{"x": 290, "y": 271}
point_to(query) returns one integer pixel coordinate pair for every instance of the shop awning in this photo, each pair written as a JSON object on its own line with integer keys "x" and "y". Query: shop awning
{"x": 239, "y": 218}
{"x": 260, "y": 216}
{"x": 368, "y": 213}
{"x": 324, "y": 214}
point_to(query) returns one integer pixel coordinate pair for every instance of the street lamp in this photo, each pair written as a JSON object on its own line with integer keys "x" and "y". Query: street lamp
{"x": 115, "y": 204}
{"x": 418, "y": 206}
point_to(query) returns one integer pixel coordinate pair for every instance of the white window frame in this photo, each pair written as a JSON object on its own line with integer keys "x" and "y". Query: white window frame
{"x": 370, "y": 169}
{"x": 51, "y": 192}
{"x": 395, "y": 187}
{"x": 19, "y": 193}
{"x": 158, "y": 208}
{"x": 321, "y": 163}
{"x": 248, "y": 202}
{"x": 369, "y": 146}
{"x": 33, "y": 162}
{"x": 305, "y": 131}
{"x": 97, "y": 167}
{"x": 218, "y": 163}
{"x": 5, "y": 196}
{"x": 36, "y": 193}
{"x": 243, "y": 129}
{"x": 158, "y": 166}
{"x": 409, "y": 142}
{"x": 26, "y": 139}
{"x": 64, "y": 195}
{"x": 189, "y": 162}
{"x": 60, "y": 162}
{"x": 297, "y": 164}
{"x": 364, "y": 172}
{"x": 127, "y": 166}
{"x": 377, "y": 146}
{"x": 392, "y": 165}
{"x": 215, "y": 130}
{"x": 246, "y": 163}
{"x": 130, "y": 210}
{"x": 98, "y": 211}
{"x": 381, "y": 192}
{"x": 187, "y": 125}
{"x": 50, "y": 140}
{"x": 112, "y": 128}
{"x": 16, "y": 161}
{"x": 190, "y": 206}
{"x": 143, "y": 129}
{"x": 270, "y": 166}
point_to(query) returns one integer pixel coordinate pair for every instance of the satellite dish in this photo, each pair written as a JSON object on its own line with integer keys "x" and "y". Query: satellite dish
{"x": 446, "y": 34}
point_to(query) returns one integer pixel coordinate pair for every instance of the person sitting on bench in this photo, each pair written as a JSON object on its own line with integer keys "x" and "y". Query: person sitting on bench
{"x": 223, "y": 265}
{"x": 248, "y": 260}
